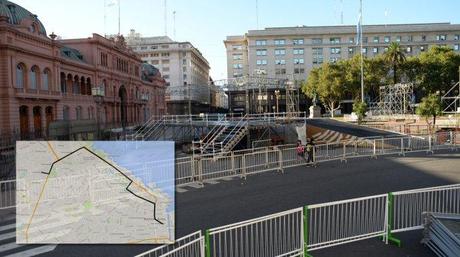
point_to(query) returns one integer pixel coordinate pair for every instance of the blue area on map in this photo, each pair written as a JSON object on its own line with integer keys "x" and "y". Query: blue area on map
{"x": 152, "y": 162}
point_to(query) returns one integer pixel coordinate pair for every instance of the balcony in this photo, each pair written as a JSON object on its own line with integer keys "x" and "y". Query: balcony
{"x": 35, "y": 93}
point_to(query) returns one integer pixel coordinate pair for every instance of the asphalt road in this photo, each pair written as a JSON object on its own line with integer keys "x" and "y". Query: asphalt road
{"x": 236, "y": 200}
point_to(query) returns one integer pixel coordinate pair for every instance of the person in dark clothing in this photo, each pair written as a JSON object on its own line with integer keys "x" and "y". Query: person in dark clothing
{"x": 310, "y": 151}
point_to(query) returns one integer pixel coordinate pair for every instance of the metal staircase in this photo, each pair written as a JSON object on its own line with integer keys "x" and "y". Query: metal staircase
{"x": 224, "y": 137}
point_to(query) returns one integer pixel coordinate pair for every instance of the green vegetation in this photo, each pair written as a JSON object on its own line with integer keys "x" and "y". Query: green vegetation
{"x": 360, "y": 108}
{"x": 430, "y": 107}
{"x": 434, "y": 70}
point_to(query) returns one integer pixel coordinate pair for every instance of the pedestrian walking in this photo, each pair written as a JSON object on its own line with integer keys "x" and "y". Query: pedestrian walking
{"x": 300, "y": 151}
{"x": 310, "y": 149}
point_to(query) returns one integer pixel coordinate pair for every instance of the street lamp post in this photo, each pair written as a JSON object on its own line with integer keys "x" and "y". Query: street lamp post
{"x": 277, "y": 95}
{"x": 98, "y": 94}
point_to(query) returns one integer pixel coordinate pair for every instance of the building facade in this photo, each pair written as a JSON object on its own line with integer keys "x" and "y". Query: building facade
{"x": 292, "y": 52}
{"x": 184, "y": 68}
{"x": 45, "y": 80}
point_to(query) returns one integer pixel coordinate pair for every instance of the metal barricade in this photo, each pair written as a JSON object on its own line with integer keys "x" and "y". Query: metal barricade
{"x": 184, "y": 170}
{"x": 346, "y": 221}
{"x": 7, "y": 194}
{"x": 261, "y": 161}
{"x": 409, "y": 205}
{"x": 189, "y": 246}
{"x": 279, "y": 234}
{"x": 221, "y": 166}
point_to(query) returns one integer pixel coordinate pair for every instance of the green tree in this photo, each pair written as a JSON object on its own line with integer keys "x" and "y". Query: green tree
{"x": 438, "y": 69}
{"x": 328, "y": 83}
{"x": 360, "y": 108}
{"x": 395, "y": 58}
{"x": 430, "y": 107}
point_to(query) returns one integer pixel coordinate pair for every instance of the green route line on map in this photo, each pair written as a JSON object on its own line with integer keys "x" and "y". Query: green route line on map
{"x": 111, "y": 165}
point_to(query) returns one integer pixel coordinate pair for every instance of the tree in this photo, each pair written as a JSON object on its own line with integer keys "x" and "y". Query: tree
{"x": 328, "y": 83}
{"x": 430, "y": 107}
{"x": 360, "y": 109}
{"x": 395, "y": 57}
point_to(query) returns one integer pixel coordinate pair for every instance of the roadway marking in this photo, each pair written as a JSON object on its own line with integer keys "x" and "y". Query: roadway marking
{"x": 34, "y": 251}
{"x": 10, "y": 246}
{"x": 6, "y": 227}
{"x": 212, "y": 182}
{"x": 181, "y": 190}
{"x": 7, "y": 235}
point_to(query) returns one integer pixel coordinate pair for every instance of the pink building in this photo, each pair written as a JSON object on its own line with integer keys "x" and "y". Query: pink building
{"x": 43, "y": 79}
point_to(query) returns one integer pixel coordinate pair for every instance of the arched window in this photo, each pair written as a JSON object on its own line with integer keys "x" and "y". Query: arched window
{"x": 78, "y": 113}
{"x": 63, "y": 83}
{"x": 34, "y": 75}
{"x": 65, "y": 113}
{"x": 76, "y": 86}
{"x": 20, "y": 78}
{"x": 45, "y": 79}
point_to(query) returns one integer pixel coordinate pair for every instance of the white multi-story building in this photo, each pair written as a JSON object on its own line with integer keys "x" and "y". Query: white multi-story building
{"x": 184, "y": 68}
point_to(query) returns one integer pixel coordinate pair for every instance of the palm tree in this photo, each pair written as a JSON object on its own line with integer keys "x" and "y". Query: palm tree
{"x": 395, "y": 57}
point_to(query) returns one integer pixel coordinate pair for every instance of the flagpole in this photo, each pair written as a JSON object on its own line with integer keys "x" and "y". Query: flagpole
{"x": 361, "y": 46}
{"x": 119, "y": 17}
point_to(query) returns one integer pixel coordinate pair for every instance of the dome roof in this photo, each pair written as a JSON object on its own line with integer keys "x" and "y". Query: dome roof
{"x": 17, "y": 13}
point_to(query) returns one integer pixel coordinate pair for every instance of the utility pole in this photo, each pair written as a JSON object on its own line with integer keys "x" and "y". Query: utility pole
{"x": 174, "y": 25}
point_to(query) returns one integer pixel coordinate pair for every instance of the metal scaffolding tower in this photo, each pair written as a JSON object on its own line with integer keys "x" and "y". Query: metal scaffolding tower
{"x": 451, "y": 100}
{"x": 394, "y": 99}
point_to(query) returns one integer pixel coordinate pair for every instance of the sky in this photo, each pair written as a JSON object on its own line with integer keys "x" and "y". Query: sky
{"x": 206, "y": 23}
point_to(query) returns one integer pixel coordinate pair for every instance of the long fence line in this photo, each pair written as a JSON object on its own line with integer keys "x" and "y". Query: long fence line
{"x": 299, "y": 231}
{"x": 191, "y": 170}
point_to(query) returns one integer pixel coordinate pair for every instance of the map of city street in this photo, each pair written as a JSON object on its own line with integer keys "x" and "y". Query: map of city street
{"x": 101, "y": 192}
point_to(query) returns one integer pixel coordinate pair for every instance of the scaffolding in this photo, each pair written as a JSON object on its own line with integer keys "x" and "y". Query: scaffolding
{"x": 256, "y": 89}
{"x": 394, "y": 99}
{"x": 451, "y": 100}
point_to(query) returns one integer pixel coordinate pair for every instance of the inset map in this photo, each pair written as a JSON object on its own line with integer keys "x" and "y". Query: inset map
{"x": 101, "y": 192}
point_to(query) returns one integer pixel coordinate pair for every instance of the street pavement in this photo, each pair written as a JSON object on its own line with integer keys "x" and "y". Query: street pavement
{"x": 349, "y": 128}
{"x": 226, "y": 201}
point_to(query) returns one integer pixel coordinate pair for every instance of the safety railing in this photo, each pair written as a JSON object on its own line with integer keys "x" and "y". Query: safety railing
{"x": 273, "y": 235}
{"x": 299, "y": 231}
{"x": 346, "y": 221}
{"x": 7, "y": 194}
{"x": 189, "y": 246}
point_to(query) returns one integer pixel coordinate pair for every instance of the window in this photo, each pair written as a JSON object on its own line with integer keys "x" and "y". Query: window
{"x": 365, "y": 40}
{"x": 299, "y": 71}
{"x": 154, "y": 47}
{"x": 78, "y": 113}
{"x": 297, "y": 41}
{"x": 280, "y": 62}
{"x": 299, "y": 61}
{"x": 316, "y": 41}
{"x": 104, "y": 60}
{"x": 165, "y": 69}
{"x": 65, "y": 113}
{"x": 155, "y": 55}
{"x": 376, "y": 39}
{"x": 237, "y": 57}
{"x": 166, "y": 76}
{"x": 334, "y": 59}
{"x": 351, "y": 40}
{"x": 441, "y": 37}
{"x": 237, "y": 74}
{"x": 280, "y": 41}
{"x": 364, "y": 50}
{"x": 456, "y": 37}
{"x": 33, "y": 77}
{"x": 261, "y": 62}
{"x": 423, "y": 38}
{"x": 317, "y": 51}
{"x": 184, "y": 61}
{"x": 375, "y": 50}
{"x": 456, "y": 47}
{"x": 261, "y": 42}
{"x": 335, "y": 50}
{"x": 409, "y": 49}
{"x": 387, "y": 39}
{"x": 237, "y": 66}
{"x": 351, "y": 50}
{"x": 422, "y": 48}
{"x": 334, "y": 40}
{"x": 45, "y": 79}
{"x": 155, "y": 62}
{"x": 20, "y": 76}
{"x": 143, "y": 48}
{"x": 318, "y": 59}
{"x": 261, "y": 52}
{"x": 298, "y": 51}
{"x": 398, "y": 38}
{"x": 280, "y": 51}
{"x": 279, "y": 71}
{"x": 409, "y": 38}
{"x": 237, "y": 47}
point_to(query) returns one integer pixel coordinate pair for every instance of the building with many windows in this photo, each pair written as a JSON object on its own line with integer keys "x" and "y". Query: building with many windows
{"x": 45, "y": 80}
{"x": 184, "y": 68}
{"x": 292, "y": 52}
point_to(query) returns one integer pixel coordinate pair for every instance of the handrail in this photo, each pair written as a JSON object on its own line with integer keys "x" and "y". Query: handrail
{"x": 238, "y": 125}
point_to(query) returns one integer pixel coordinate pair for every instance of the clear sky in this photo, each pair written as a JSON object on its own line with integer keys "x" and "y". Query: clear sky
{"x": 206, "y": 23}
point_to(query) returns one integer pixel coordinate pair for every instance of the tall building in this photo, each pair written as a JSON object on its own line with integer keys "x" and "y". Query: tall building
{"x": 292, "y": 52}
{"x": 184, "y": 68}
{"x": 46, "y": 81}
